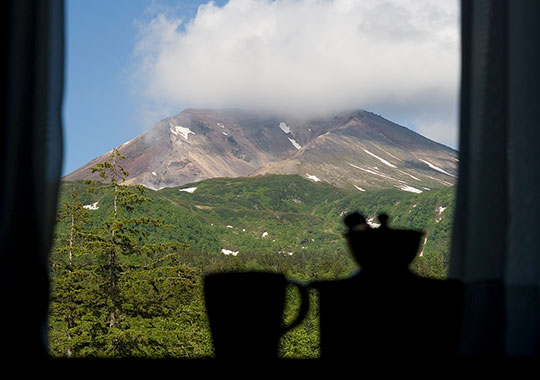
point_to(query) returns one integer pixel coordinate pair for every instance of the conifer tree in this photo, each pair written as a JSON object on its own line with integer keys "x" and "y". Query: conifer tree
{"x": 70, "y": 287}
{"x": 74, "y": 211}
{"x": 123, "y": 235}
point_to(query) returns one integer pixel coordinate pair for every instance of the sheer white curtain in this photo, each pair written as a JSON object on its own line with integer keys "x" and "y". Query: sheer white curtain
{"x": 496, "y": 236}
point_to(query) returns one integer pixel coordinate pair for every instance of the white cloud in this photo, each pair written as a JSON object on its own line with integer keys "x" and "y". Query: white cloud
{"x": 397, "y": 57}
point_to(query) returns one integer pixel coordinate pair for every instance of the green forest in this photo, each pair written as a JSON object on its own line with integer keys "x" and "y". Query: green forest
{"x": 128, "y": 263}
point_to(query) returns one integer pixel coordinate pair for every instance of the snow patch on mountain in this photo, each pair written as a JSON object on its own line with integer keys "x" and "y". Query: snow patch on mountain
{"x": 189, "y": 189}
{"x": 410, "y": 175}
{"x": 437, "y": 168}
{"x": 182, "y": 131}
{"x": 410, "y": 189}
{"x": 380, "y": 174}
{"x": 380, "y": 159}
{"x": 423, "y": 246}
{"x": 284, "y": 127}
{"x": 93, "y": 206}
{"x": 228, "y": 252}
{"x": 439, "y": 216}
{"x": 295, "y": 144}
{"x": 312, "y": 177}
{"x": 372, "y": 224}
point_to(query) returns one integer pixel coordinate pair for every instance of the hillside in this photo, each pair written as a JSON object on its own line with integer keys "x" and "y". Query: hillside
{"x": 282, "y": 216}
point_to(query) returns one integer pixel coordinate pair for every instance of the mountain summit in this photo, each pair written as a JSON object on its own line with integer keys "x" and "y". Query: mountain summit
{"x": 351, "y": 149}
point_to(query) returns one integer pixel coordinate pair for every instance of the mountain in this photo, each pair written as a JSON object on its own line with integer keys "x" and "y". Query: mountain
{"x": 356, "y": 149}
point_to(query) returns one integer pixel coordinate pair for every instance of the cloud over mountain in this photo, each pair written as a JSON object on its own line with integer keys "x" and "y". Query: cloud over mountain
{"x": 309, "y": 56}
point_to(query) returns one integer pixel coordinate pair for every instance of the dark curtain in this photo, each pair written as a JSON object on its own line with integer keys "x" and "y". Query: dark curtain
{"x": 496, "y": 234}
{"x": 31, "y": 152}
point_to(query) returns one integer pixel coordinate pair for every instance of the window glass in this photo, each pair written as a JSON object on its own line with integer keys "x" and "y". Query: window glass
{"x": 236, "y": 136}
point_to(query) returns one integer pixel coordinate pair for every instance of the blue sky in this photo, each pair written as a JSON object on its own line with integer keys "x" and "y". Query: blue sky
{"x": 131, "y": 63}
{"x": 100, "y": 109}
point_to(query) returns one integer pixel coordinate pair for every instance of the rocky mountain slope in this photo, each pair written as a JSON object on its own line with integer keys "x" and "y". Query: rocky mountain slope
{"x": 356, "y": 149}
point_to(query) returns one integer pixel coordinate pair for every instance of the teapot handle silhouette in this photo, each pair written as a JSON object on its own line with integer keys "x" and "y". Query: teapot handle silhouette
{"x": 304, "y": 306}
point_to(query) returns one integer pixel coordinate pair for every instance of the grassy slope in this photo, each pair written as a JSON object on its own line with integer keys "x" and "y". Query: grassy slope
{"x": 300, "y": 217}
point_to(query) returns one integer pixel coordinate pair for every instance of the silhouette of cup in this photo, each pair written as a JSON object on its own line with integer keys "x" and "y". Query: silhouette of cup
{"x": 245, "y": 311}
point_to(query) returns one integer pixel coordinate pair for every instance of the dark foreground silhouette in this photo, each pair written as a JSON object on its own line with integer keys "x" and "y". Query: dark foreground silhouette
{"x": 245, "y": 311}
{"x": 386, "y": 310}
{"x": 382, "y": 311}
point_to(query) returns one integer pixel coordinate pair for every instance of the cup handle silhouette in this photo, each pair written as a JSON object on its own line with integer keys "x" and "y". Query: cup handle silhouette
{"x": 304, "y": 306}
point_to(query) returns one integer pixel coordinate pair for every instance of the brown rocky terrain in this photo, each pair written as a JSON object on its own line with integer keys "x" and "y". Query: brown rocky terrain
{"x": 356, "y": 149}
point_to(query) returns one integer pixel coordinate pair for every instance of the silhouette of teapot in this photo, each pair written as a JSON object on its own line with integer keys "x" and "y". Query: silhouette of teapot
{"x": 385, "y": 310}
{"x": 381, "y": 251}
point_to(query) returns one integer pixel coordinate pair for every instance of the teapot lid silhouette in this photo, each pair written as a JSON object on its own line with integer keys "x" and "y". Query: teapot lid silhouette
{"x": 382, "y": 249}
